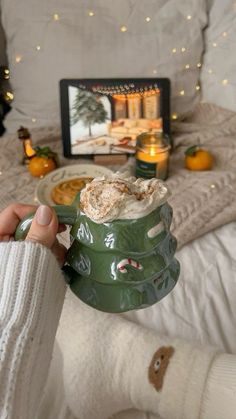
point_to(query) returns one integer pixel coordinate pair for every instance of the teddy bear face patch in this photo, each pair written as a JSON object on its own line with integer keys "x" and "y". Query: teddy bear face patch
{"x": 158, "y": 366}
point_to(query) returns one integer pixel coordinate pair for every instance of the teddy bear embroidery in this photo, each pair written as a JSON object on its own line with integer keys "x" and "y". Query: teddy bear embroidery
{"x": 158, "y": 366}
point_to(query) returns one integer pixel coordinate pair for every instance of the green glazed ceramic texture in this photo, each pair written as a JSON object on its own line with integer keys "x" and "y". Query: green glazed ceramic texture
{"x": 117, "y": 298}
{"x": 133, "y": 236}
{"x": 113, "y": 266}
{"x": 125, "y": 264}
{"x": 118, "y": 266}
{"x": 66, "y": 215}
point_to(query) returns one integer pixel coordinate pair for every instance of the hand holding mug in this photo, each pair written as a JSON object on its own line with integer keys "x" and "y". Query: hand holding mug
{"x": 43, "y": 229}
{"x": 121, "y": 255}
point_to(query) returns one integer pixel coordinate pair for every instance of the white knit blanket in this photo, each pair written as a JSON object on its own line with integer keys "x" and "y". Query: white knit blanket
{"x": 201, "y": 201}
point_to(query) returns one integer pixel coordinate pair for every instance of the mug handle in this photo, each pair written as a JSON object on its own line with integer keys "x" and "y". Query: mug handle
{"x": 66, "y": 215}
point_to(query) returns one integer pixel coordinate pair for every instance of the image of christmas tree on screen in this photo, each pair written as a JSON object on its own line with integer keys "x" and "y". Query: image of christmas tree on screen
{"x": 108, "y": 119}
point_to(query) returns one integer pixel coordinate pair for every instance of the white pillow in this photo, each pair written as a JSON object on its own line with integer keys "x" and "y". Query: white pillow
{"x": 48, "y": 41}
{"x": 218, "y": 76}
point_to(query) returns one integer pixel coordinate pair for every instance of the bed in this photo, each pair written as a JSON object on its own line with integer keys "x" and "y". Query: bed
{"x": 201, "y": 308}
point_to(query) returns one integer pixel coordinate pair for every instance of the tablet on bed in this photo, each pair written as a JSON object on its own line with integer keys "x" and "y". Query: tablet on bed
{"x": 105, "y": 116}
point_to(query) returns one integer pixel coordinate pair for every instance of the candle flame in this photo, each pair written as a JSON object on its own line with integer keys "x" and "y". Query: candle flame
{"x": 153, "y": 151}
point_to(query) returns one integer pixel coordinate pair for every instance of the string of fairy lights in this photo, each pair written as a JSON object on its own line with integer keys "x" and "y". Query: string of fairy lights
{"x": 124, "y": 89}
{"x": 124, "y": 28}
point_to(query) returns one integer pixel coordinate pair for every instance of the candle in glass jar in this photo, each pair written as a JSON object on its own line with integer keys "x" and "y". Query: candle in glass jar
{"x": 152, "y": 156}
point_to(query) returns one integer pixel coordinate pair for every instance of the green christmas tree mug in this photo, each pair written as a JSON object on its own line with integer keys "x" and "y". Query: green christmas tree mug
{"x": 119, "y": 265}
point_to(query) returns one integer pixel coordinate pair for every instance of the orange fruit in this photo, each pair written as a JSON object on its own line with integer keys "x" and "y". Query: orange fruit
{"x": 197, "y": 158}
{"x": 40, "y": 166}
{"x": 43, "y": 162}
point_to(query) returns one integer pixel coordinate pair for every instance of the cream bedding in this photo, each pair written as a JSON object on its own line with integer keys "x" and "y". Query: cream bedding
{"x": 201, "y": 307}
{"x": 202, "y": 201}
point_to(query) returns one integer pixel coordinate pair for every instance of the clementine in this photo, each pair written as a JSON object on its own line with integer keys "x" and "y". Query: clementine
{"x": 43, "y": 163}
{"x": 40, "y": 166}
{"x": 197, "y": 158}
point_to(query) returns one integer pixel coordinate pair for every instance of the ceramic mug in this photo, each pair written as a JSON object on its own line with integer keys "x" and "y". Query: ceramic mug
{"x": 120, "y": 265}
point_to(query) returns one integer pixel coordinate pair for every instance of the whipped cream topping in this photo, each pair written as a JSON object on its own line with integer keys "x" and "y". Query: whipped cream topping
{"x": 119, "y": 197}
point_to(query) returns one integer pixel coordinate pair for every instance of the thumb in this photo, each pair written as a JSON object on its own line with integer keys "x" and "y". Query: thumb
{"x": 44, "y": 227}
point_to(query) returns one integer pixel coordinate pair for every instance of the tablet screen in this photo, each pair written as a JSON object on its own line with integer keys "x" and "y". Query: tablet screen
{"x": 106, "y": 116}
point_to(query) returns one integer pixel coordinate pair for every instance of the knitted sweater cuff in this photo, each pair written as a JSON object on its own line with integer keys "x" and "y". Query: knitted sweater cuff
{"x": 220, "y": 395}
{"x": 31, "y": 298}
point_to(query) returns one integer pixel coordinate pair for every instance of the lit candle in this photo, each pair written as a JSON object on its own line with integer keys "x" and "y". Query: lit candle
{"x": 152, "y": 156}
{"x": 29, "y": 151}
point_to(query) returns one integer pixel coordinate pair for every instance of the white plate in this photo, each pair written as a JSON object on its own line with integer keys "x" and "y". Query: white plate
{"x": 45, "y": 186}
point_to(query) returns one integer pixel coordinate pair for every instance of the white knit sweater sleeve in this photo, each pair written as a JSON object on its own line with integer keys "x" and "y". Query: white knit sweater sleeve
{"x": 32, "y": 292}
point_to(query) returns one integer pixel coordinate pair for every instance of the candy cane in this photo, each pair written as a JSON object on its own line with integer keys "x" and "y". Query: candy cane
{"x": 121, "y": 265}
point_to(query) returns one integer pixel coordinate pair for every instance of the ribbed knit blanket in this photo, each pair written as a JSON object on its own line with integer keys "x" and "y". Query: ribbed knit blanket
{"x": 201, "y": 201}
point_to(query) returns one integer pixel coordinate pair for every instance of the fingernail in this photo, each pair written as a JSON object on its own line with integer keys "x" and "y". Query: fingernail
{"x": 43, "y": 215}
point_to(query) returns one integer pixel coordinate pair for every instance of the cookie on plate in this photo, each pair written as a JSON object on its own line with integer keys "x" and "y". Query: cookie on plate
{"x": 64, "y": 193}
